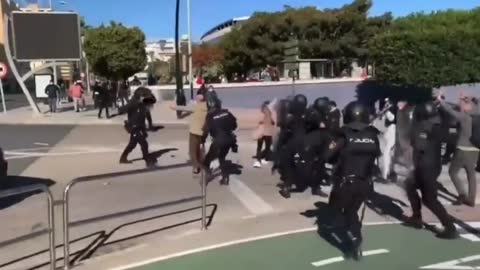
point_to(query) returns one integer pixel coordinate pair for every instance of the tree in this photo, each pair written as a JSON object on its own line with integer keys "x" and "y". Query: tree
{"x": 205, "y": 56}
{"x": 340, "y": 34}
{"x": 115, "y": 51}
{"x": 429, "y": 50}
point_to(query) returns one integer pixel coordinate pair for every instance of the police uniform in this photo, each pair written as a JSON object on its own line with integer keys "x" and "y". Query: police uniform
{"x": 315, "y": 144}
{"x": 220, "y": 124}
{"x": 135, "y": 125}
{"x": 289, "y": 151}
{"x": 426, "y": 142}
{"x": 355, "y": 151}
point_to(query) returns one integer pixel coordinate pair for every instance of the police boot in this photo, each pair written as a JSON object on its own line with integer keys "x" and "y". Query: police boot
{"x": 124, "y": 160}
{"x": 357, "y": 253}
{"x": 225, "y": 181}
{"x": 317, "y": 191}
{"x": 449, "y": 233}
{"x": 285, "y": 192}
{"x": 414, "y": 222}
{"x": 356, "y": 247}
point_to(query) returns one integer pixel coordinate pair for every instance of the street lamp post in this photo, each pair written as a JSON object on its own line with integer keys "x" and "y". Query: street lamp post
{"x": 190, "y": 56}
{"x": 180, "y": 95}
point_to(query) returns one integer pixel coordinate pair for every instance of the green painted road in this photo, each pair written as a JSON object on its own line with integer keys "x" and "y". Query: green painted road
{"x": 398, "y": 247}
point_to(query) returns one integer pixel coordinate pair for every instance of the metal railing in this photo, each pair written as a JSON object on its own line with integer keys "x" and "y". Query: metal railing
{"x": 66, "y": 206}
{"x": 51, "y": 221}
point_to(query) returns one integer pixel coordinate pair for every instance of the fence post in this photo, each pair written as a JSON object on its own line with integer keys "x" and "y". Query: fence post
{"x": 204, "y": 200}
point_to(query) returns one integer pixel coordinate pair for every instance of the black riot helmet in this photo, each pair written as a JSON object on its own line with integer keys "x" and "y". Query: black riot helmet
{"x": 284, "y": 106}
{"x": 425, "y": 111}
{"x": 312, "y": 119}
{"x": 300, "y": 101}
{"x": 144, "y": 95}
{"x": 356, "y": 111}
{"x": 322, "y": 105}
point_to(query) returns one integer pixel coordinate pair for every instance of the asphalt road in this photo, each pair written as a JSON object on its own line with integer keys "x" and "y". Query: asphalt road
{"x": 29, "y": 138}
{"x": 13, "y": 101}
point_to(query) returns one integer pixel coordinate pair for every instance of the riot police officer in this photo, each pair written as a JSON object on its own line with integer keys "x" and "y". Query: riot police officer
{"x": 355, "y": 150}
{"x": 220, "y": 124}
{"x": 427, "y": 161}
{"x": 314, "y": 145}
{"x": 289, "y": 151}
{"x": 135, "y": 125}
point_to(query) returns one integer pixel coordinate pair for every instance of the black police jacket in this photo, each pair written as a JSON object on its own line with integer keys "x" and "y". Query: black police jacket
{"x": 426, "y": 141}
{"x": 137, "y": 113}
{"x": 314, "y": 145}
{"x": 220, "y": 124}
{"x": 355, "y": 150}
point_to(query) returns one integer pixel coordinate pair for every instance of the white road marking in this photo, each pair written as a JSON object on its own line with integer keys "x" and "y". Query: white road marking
{"x": 41, "y": 144}
{"x": 20, "y": 155}
{"x": 340, "y": 259}
{"x": 454, "y": 264}
{"x": 471, "y": 237}
{"x": 246, "y": 240}
{"x": 254, "y": 203}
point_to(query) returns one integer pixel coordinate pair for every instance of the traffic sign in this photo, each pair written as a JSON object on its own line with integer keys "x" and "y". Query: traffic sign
{"x": 3, "y": 71}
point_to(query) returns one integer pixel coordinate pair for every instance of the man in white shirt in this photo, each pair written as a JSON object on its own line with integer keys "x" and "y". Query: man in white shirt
{"x": 389, "y": 140}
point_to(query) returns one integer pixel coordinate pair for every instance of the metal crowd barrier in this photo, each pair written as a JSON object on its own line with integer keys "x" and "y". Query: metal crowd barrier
{"x": 51, "y": 221}
{"x": 66, "y": 206}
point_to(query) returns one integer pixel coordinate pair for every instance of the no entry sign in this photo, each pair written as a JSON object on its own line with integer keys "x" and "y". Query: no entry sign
{"x": 3, "y": 71}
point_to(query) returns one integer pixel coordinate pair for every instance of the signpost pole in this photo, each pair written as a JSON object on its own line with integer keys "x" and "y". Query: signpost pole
{"x": 293, "y": 82}
{"x": 3, "y": 97}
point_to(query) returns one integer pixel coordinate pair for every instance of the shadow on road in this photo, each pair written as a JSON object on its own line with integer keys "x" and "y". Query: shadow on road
{"x": 385, "y": 205}
{"x": 330, "y": 226}
{"x": 99, "y": 235}
{"x": 13, "y": 182}
{"x": 104, "y": 242}
{"x": 157, "y": 154}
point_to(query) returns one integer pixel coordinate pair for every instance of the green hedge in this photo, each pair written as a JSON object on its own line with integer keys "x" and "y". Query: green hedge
{"x": 429, "y": 51}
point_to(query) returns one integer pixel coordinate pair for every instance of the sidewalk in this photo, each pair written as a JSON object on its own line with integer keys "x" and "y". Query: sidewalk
{"x": 161, "y": 114}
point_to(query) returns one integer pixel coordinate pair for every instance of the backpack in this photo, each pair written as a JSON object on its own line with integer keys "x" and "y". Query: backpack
{"x": 475, "y": 138}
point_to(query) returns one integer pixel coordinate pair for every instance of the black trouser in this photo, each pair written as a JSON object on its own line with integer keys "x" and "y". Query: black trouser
{"x": 52, "y": 102}
{"x": 148, "y": 116}
{"x": 264, "y": 154}
{"x": 100, "y": 109}
{"x": 425, "y": 179}
{"x": 220, "y": 151}
{"x": 136, "y": 137}
{"x": 287, "y": 163}
{"x": 346, "y": 198}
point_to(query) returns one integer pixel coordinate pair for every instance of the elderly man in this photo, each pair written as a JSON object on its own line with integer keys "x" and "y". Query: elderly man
{"x": 466, "y": 154}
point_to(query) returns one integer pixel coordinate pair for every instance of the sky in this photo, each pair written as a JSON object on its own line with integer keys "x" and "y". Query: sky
{"x": 157, "y": 17}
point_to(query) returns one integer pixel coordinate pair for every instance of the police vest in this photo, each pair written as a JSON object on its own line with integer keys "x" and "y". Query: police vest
{"x": 359, "y": 153}
{"x": 222, "y": 122}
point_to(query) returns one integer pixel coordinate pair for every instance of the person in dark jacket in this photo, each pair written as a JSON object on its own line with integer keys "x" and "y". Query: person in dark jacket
{"x": 103, "y": 99}
{"x": 123, "y": 93}
{"x": 135, "y": 125}
{"x": 427, "y": 159}
{"x": 220, "y": 124}
{"x": 334, "y": 116}
{"x": 52, "y": 90}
